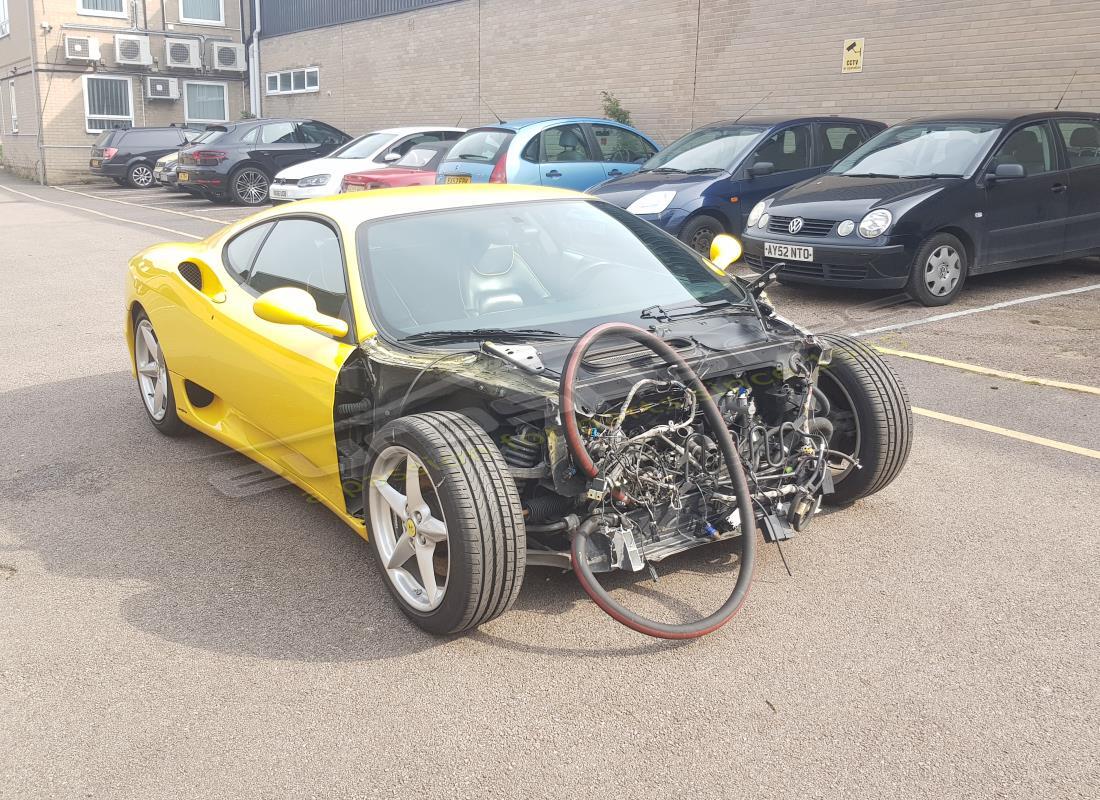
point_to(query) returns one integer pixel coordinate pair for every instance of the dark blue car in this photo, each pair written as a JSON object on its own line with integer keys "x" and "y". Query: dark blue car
{"x": 707, "y": 182}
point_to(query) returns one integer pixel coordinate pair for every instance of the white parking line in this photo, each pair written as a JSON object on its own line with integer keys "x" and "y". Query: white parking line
{"x": 966, "y": 312}
{"x": 99, "y": 213}
{"x": 139, "y": 205}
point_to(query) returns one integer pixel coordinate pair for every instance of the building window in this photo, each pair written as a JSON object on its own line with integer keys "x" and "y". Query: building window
{"x": 102, "y": 8}
{"x": 11, "y": 107}
{"x": 107, "y": 103}
{"x": 204, "y": 101}
{"x": 202, "y": 12}
{"x": 5, "y": 20}
{"x": 294, "y": 81}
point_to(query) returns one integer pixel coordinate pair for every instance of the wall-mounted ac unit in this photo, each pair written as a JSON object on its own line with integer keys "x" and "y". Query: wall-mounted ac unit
{"x": 182, "y": 53}
{"x": 131, "y": 49}
{"x": 157, "y": 88}
{"x": 81, "y": 48}
{"x": 229, "y": 57}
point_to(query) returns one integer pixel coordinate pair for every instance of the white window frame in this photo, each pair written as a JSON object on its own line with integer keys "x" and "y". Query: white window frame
{"x": 92, "y": 12}
{"x": 129, "y": 87}
{"x": 11, "y": 107}
{"x": 5, "y": 19}
{"x": 308, "y": 90}
{"x": 191, "y": 21}
{"x": 225, "y": 101}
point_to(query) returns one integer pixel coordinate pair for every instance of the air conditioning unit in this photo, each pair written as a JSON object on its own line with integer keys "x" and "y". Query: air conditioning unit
{"x": 130, "y": 49}
{"x": 81, "y": 48}
{"x": 229, "y": 57}
{"x": 182, "y": 53}
{"x": 157, "y": 88}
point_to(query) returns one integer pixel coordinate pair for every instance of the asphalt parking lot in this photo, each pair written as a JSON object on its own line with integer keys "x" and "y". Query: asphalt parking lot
{"x": 163, "y": 639}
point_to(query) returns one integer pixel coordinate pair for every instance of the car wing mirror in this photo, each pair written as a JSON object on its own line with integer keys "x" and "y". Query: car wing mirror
{"x": 761, "y": 168}
{"x": 289, "y": 305}
{"x": 1008, "y": 172}
{"x": 389, "y": 158}
{"x": 724, "y": 250}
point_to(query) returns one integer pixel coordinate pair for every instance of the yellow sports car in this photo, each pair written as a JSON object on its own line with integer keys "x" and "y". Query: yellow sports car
{"x": 485, "y": 378}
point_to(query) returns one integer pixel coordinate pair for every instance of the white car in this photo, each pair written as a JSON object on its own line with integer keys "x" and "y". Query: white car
{"x": 322, "y": 176}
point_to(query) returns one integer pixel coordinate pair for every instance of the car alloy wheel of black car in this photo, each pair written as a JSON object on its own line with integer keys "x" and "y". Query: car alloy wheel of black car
{"x": 250, "y": 186}
{"x": 140, "y": 176}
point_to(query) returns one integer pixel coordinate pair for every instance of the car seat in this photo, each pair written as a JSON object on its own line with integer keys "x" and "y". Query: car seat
{"x": 500, "y": 281}
{"x": 1026, "y": 149}
{"x": 572, "y": 147}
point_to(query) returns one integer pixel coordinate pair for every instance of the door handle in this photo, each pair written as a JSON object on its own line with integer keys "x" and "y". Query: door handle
{"x": 1058, "y": 188}
{"x": 553, "y": 174}
{"x": 615, "y": 173}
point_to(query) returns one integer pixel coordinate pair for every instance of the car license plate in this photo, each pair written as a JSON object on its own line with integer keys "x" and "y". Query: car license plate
{"x": 182, "y": 176}
{"x": 278, "y": 192}
{"x": 97, "y": 162}
{"x": 457, "y": 179}
{"x": 788, "y": 252}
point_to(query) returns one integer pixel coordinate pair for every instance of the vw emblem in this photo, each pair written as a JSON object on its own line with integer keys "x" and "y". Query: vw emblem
{"x": 795, "y": 225}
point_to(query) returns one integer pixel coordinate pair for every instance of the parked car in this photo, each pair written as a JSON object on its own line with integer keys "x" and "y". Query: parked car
{"x": 570, "y": 153}
{"x": 128, "y": 155}
{"x": 416, "y": 168}
{"x": 239, "y": 162}
{"x": 931, "y": 201}
{"x": 704, "y": 183}
{"x": 322, "y": 177}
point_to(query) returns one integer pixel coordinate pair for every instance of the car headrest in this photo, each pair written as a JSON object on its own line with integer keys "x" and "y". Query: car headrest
{"x": 1085, "y": 137}
{"x": 569, "y": 139}
{"x": 497, "y": 260}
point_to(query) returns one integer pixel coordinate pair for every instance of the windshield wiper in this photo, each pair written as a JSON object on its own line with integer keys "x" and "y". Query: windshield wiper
{"x": 868, "y": 175}
{"x": 477, "y": 334}
{"x": 934, "y": 175}
{"x": 690, "y": 309}
{"x": 701, "y": 170}
{"x": 472, "y": 157}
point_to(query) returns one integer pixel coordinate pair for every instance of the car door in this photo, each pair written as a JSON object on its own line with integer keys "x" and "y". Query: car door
{"x": 1080, "y": 139}
{"x": 278, "y": 381}
{"x": 789, "y": 151}
{"x": 319, "y": 139}
{"x": 623, "y": 151}
{"x": 568, "y": 158}
{"x": 1025, "y": 218}
{"x": 277, "y": 146}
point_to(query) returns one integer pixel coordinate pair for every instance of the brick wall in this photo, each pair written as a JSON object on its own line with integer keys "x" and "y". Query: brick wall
{"x": 540, "y": 58}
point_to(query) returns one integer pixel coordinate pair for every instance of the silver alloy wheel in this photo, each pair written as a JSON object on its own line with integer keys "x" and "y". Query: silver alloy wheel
{"x": 251, "y": 186}
{"x": 142, "y": 176}
{"x": 405, "y": 527}
{"x": 151, "y": 371}
{"x": 942, "y": 270}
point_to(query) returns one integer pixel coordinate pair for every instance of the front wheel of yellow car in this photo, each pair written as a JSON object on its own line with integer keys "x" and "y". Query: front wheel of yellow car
{"x": 445, "y": 519}
{"x": 154, "y": 385}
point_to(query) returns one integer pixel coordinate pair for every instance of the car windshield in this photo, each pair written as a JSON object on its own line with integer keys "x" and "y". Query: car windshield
{"x": 363, "y": 147}
{"x": 706, "y": 149}
{"x": 557, "y": 265}
{"x": 482, "y": 146}
{"x": 938, "y": 149}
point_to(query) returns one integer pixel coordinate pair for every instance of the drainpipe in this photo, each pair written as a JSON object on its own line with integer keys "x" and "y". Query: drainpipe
{"x": 33, "y": 41}
{"x": 254, "y": 62}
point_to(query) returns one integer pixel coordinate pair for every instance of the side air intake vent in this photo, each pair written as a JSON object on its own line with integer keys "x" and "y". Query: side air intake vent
{"x": 191, "y": 274}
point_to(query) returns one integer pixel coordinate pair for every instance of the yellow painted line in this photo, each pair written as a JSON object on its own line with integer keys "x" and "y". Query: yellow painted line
{"x": 995, "y": 373}
{"x": 1023, "y": 437}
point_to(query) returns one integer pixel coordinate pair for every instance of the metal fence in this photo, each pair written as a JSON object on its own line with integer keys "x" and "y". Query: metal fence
{"x": 289, "y": 16}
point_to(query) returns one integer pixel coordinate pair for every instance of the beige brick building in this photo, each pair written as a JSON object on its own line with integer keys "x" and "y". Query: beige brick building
{"x": 69, "y": 68}
{"x": 678, "y": 63}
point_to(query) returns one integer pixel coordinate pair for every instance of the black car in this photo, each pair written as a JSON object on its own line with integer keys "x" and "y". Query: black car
{"x": 239, "y": 159}
{"x": 930, "y": 201}
{"x": 705, "y": 182}
{"x": 128, "y": 154}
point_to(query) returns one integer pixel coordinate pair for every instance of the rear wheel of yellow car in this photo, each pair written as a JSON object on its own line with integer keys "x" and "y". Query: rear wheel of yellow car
{"x": 154, "y": 384}
{"x": 445, "y": 520}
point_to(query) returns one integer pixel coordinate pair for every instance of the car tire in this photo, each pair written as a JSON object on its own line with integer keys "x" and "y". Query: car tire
{"x": 700, "y": 231}
{"x": 140, "y": 176}
{"x": 465, "y": 486}
{"x": 249, "y": 186}
{"x": 938, "y": 271}
{"x": 871, "y": 418}
{"x": 154, "y": 382}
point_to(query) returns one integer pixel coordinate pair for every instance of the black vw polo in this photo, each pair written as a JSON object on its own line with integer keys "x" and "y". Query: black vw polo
{"x": 928, "y": 202}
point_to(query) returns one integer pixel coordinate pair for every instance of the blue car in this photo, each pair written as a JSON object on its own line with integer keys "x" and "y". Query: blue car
{"x": 571, "y": 153}
{"x": 707, "y": 181}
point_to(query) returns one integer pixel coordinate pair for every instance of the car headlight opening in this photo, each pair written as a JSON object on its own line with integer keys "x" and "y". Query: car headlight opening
{"x": 875, "y": 223}
{"x": 651, "y": 203}
{"x": 754, "y": 215}
{"x": 314, "y": 180}
{"x": 845, "y": 228}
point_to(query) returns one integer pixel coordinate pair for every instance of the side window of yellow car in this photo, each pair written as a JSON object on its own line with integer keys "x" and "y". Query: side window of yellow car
{"x": 241, "y": 251}
{"x": 306, "y": 254}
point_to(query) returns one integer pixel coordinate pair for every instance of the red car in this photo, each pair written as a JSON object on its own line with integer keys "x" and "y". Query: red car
{"x": 416, "y": 168}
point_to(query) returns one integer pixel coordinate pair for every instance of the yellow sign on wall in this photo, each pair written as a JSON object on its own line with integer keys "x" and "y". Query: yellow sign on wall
{"x": 853, "y": 56}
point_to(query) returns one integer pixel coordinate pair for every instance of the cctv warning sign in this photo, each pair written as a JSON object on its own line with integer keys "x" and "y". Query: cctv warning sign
{"x": 853, "y": 56}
